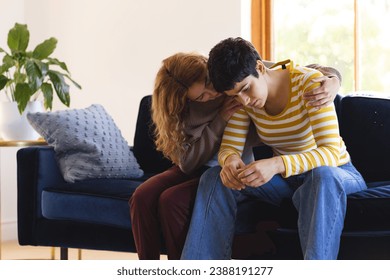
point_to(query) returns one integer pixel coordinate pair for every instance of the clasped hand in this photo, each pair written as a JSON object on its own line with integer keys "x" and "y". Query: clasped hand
{"x": 236, "y": 175}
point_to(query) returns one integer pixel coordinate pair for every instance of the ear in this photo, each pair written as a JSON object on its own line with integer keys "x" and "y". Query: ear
{"x": 260, "y": 66}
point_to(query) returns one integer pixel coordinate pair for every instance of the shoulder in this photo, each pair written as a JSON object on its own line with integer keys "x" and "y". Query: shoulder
{"x": 304, "y": 70}
{"x": 303, "y": 75}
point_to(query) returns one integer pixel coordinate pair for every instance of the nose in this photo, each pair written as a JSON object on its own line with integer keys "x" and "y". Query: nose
{"x": 243, "y": 99}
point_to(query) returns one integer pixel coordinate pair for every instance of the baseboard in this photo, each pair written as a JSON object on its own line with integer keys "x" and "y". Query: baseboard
{"x": 9, "y": 231}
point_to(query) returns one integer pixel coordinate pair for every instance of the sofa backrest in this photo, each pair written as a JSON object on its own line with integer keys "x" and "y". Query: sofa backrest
{"x": 365, "y": 128}
{"x": 144, "y": 149}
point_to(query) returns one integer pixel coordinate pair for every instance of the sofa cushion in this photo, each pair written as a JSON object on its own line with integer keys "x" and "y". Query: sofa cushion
{"x": 87, "y": 143}
{"x": 367, "y": 210}
{"x": 99, "y": 201}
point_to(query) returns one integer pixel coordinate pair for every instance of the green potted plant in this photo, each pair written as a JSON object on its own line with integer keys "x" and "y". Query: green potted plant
{"x": 27, "y": 75}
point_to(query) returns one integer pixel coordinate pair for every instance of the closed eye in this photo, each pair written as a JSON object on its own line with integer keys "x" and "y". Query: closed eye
{"x": 200, "y": 97}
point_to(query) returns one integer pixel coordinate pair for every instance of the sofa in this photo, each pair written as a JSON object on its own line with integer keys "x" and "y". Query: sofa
{"x": 94, "y": 213}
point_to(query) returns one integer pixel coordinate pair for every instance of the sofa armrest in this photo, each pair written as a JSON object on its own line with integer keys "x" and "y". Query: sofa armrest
{"x": 37, "y": 169}
{"x": 364, "y": 127}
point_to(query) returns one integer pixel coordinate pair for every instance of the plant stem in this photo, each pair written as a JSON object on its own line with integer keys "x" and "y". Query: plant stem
{"x": 9, "y": 91}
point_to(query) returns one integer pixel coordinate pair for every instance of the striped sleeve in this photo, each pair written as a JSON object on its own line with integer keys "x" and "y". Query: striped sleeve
{"x": 234, "y": 136}
{"x": 325, "y": 131}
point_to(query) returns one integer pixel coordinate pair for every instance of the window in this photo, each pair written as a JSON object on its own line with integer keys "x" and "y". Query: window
{"x": 350, "y": 35}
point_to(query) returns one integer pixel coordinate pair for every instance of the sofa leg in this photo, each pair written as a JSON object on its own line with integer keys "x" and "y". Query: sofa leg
{"x": 63, "y": 253}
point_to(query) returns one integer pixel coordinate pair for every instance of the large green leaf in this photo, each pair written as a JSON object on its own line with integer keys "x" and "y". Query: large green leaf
{"x": 44, "y": 67}
{"x": 8, "y": 62}
{"x": 60, "y": 86}
{"x": 55, "y": 61}
{"x": 45, "y": 49}
{"x": 47, "y": 90}
{"x": 3, "y": 81}
{"x": 23, "y": 93}
{"x": 18, "y": 38}
{"x": 34, "y": 74}
{"x": 73, "y": 81}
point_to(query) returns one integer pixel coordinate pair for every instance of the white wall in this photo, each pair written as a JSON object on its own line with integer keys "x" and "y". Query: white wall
{"x": 11, "y": 11}
{"x": 114, "y": 48}
{"x": 8, "y": 193}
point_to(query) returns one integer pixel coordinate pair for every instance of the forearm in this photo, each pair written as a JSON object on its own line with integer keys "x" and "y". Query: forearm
{"x": 234, "y": 136}
{"x": 324, "y": 151}
{"x": 201, "y": 150}
{"x": 327, "y": 71}
{"x": 225, "y": 152}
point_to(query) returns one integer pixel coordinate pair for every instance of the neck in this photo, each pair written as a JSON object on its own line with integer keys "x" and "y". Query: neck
{"x": 278, "y": 82}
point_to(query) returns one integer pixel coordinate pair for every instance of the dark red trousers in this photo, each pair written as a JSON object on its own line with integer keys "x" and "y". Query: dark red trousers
{"x": 164, "y": 204}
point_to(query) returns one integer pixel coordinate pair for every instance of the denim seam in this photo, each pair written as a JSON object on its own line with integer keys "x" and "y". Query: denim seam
{"x": 333, "y": 225}
{"x": 229, "y": 245}
{"x": 206, "y": 212}
{"x": 338, "y": 209}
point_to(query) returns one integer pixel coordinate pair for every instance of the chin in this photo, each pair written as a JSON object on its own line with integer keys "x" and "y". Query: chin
{"x": 258, "y": 105}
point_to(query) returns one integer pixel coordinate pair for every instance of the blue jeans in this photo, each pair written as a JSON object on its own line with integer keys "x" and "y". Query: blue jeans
{"x": 320, "y": 196}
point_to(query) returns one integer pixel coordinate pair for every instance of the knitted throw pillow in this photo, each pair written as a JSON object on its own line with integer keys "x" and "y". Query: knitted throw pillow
{"x": 87, "y": 143}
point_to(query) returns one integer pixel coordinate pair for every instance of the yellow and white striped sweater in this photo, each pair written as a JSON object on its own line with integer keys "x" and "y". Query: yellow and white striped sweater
{"x": 304, "y": 137}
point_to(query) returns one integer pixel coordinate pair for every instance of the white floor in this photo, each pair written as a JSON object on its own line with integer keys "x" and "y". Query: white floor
{"x": 11, "y": 250}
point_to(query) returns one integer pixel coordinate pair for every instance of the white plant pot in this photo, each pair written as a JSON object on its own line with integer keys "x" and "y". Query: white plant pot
{"x": 14, "y": 126}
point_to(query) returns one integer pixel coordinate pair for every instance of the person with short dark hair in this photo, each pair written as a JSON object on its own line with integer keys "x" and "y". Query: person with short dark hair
{"x": 310, "y": 162}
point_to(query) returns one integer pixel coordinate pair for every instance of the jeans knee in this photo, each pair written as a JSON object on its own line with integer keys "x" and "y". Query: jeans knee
{"x": 210, "y": 175}
{"x": 325, "y": 172}
{"x": 209, "y": 181}
{"x": 325, "y": 179}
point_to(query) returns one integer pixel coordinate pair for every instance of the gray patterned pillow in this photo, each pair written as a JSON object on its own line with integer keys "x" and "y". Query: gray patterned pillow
{"x": 87, "y": 143}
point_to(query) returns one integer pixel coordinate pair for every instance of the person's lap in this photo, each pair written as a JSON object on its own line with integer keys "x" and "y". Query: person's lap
{"x": 214, "y": 199}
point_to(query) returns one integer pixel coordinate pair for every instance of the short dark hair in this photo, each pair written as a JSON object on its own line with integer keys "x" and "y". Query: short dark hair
{"x": 231, "y": 61}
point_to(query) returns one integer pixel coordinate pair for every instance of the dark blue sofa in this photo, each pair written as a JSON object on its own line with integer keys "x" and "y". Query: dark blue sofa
{"x": 94, "y": 214}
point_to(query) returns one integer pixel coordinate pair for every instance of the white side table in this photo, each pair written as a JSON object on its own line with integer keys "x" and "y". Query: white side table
{"x": 4, "y": 144}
